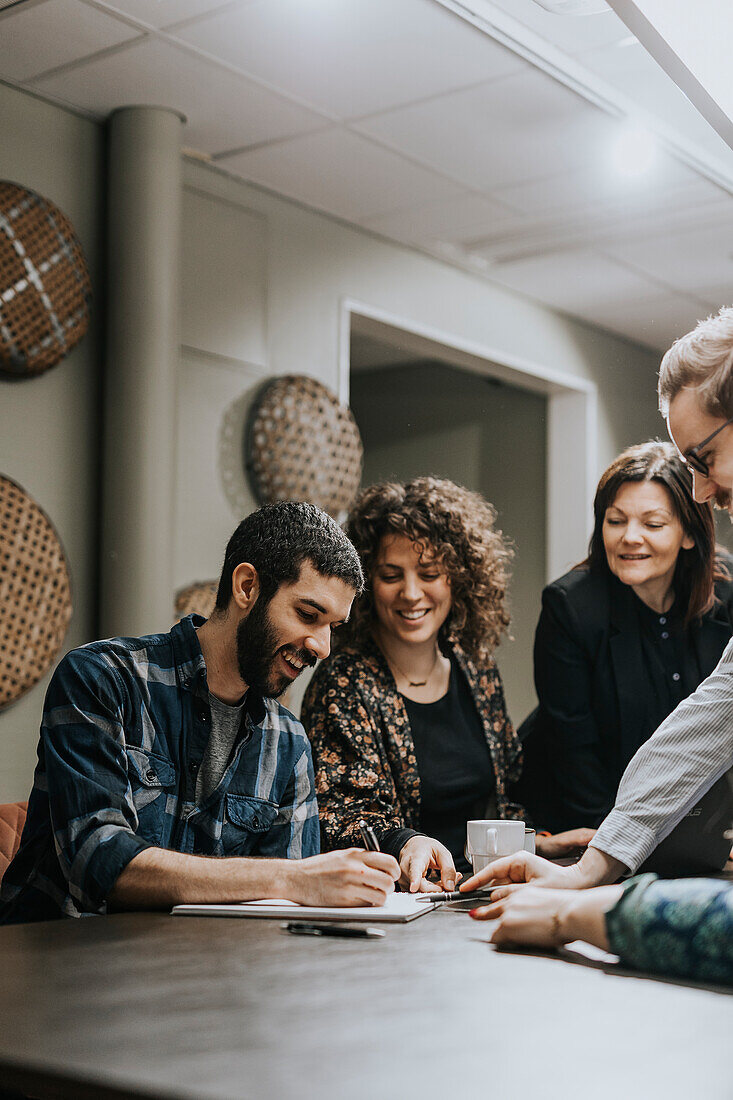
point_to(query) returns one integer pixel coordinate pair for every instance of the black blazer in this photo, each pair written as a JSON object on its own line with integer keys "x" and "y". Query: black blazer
{"x": 596, "y": 704}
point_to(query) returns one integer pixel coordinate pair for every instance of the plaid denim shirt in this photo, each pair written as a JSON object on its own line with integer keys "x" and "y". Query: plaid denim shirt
{"x": 125, "y": 725}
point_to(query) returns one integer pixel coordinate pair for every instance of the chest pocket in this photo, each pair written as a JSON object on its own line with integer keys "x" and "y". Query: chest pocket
{"x": 151, "y": 777}
{"x": 246, "y": 820}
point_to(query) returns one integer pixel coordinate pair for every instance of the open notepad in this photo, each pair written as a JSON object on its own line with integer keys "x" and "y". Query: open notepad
{"x": 399, "y": 908}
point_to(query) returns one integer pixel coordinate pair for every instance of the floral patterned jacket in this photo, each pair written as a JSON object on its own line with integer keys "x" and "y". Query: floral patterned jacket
{"x": 363, "y": 750}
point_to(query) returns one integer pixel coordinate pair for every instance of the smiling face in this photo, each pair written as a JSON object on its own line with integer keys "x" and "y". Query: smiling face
{"x": 277, "y": 640}
{"x": 688, "y": 424}
{"x": 642, "y": 537}
{"x": 411, "y": 592}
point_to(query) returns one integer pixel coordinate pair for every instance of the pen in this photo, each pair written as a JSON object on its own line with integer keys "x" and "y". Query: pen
{"x": 368, "y": 837}
{"x": 370, "y": 842}
{"x": 308, "y": 928}
{"x": 459, "y": 895}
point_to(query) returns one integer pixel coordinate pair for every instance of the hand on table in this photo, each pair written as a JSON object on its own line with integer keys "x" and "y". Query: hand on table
{"x": 512, "y": 871}
{"x": 564, "y": 844}
{"x": 548, "y": 918}
{"x": 422, "y": 854}
{"x": 350, "y": 876}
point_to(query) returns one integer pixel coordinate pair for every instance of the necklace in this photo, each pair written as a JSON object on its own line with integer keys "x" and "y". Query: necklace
{"x": 416, "y": 683}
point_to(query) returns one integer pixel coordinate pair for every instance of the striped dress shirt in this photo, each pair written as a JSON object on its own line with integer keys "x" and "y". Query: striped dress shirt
{"x": 125, "y": 726}
{"x": 666, "y": 778}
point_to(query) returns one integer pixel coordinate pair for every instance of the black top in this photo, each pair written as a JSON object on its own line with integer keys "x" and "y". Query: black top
{"x": 605, "y": 675}
{"x": 454, "y": 765}
{"x": 670, "y": 657}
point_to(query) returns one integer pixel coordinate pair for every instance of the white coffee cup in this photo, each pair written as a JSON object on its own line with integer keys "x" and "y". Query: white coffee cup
{"x": 490, "y": 840}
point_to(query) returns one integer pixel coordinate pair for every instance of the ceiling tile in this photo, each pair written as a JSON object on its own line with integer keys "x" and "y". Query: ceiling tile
{"x": 633, "y": 72}
{"x": 595, "y": 185}
{"x": 42, "y": 37}
{"x": 450, "y": 220}
{"x": 353, "y": 57}
{"x": 656, "y": 321}
{"x": 224, "y": 110}
{"x": 340, "y": 172}
{"x": 496, "y": 134}
{"x": 573, "y": 280}
{"x": 161, "y": 13}
{"x": 700, "y": 256}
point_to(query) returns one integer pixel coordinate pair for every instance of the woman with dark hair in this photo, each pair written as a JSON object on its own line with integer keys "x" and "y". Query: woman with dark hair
{"x": 407, "y": 720}
{"x": 624, "y": 636}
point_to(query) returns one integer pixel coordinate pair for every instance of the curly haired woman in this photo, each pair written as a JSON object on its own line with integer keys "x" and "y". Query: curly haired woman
{"x": 407, "y": 720}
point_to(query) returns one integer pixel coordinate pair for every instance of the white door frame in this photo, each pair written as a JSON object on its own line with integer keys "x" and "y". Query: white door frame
{"x": 571, "y": 415}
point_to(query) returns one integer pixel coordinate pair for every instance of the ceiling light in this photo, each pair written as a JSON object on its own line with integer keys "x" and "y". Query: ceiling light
{"x": 573, "y": 7}
{"x": 633, "y": 152}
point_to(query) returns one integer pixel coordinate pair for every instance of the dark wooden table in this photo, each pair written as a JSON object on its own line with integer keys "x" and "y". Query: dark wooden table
{"x": 140, "y": 1005}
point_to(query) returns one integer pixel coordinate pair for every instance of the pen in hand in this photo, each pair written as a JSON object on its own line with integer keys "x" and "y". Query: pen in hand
{"x": 369, "y": 840}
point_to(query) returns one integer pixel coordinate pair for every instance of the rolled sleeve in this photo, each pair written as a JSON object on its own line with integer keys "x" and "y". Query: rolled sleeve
{"x": 93, "y": 817}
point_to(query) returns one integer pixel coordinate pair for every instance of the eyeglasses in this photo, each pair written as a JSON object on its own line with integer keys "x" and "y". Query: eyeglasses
{"x": 691, "y": 458}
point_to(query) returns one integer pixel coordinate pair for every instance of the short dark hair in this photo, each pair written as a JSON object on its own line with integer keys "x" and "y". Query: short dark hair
{"x": 697, "y": 568}
{"x": 278, "y": 538}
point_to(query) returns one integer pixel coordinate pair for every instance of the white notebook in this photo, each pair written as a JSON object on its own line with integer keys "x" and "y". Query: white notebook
{"x": 399, "y": 909}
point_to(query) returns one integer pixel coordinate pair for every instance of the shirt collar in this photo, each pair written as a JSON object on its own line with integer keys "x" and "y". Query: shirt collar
{"x": 192, "y": 666}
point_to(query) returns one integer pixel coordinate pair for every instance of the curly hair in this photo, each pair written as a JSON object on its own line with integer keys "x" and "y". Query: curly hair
{"x": 457, "y": 526}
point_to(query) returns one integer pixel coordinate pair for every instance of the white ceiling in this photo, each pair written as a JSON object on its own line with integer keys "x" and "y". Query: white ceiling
{"x": 414, "y": 123}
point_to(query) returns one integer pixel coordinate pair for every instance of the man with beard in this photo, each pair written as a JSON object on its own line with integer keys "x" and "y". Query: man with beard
{"x": 693, "y": 747}
{"x": 165, "y": 764}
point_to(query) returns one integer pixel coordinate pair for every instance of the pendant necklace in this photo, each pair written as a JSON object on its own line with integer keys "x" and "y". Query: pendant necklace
{"x": 416, "y": 683}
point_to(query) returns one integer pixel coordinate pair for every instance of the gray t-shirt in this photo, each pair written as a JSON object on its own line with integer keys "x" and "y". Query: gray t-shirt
{"x": 225, "y": 723}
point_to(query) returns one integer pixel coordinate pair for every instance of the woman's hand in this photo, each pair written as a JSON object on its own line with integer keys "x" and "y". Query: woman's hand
{"x": 572, "y": 842}
{"x": 422, "y": 854}
{"x": 548, "y": 918}
{"x": 510, "y": 871}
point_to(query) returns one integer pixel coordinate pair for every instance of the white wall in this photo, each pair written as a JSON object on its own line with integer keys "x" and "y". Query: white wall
{"x": 50, "y": 425}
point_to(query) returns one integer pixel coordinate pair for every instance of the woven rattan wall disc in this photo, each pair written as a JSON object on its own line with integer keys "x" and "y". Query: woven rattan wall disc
{"x": 35, "y": 592}
{"x": 303, "y": 445}
{"x": 199, "y": 597}
{"x": 44, "y": 283}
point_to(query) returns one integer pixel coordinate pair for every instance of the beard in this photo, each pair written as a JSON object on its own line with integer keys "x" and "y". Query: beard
{"x": 258, "y": 651}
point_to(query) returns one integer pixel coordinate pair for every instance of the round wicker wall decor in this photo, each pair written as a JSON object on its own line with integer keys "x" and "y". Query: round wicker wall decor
{"x": 35, "y": 592}
{"x": 302, "y": 444}
{"x": 198, "y": 598}
{"x": 45, "y": 290}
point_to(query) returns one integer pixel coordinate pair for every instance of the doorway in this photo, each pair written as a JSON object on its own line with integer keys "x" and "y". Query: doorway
{"x": 424, "y": 407}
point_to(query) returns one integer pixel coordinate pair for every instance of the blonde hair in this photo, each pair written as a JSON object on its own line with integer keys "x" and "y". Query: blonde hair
{"x": 703, "y": 360}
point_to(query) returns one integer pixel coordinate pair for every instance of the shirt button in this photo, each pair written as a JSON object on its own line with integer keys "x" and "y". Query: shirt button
{"x": 662, "y": 619}
{"x": 150, "y": 775}
{"x": 675, "y": 676}
{"x": 192, "y": 769}
{"x": 665, "y": 634}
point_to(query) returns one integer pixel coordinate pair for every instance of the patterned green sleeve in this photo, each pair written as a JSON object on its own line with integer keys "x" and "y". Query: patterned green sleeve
{"x": 679, "y": 927}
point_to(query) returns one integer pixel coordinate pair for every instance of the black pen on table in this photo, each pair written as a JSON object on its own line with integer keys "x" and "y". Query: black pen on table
{"x": 370, "y": 842}
{"x": 312, "y": 928}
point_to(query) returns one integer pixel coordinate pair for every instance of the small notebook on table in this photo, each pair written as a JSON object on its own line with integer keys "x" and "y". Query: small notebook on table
{"x": 398, "y": 909}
